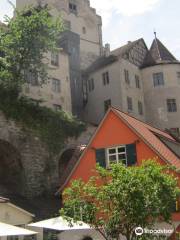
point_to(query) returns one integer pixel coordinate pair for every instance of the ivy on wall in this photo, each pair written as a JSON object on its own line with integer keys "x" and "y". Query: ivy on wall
{"x": 53, "y": 128}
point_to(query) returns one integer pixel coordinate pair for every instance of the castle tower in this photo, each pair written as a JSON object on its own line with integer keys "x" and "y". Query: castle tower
{"x": 81, "y": 40}
{"x": 161, "y": 79}
{"x": 79, "y": 17}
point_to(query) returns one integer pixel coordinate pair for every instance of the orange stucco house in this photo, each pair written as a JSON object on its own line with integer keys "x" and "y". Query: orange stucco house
{"x": 122, "y": 137}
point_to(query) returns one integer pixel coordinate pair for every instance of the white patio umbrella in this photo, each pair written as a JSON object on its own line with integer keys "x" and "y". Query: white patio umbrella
{"x": 80, "y": 234}
{"x": 59, "y": 224}
{"x": 10, "y": 230}
{"x": 76, "y": 231}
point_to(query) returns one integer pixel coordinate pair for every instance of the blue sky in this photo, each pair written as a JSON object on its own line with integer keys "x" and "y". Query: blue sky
{"x": 128, "y": 20}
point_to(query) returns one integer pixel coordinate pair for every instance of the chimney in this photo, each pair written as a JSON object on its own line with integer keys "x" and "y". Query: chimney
{"x": 107, "y": 49}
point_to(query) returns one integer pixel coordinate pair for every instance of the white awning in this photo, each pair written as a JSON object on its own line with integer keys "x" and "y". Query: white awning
{"x": 59, "y": 224}
{"x": 10, "y": 230}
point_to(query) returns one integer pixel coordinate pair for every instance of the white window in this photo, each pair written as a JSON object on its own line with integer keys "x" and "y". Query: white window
{"x": 171, "y": 105}
{"x": 129, "y": 104}
{"x": 116, "y": 155}
{"x": 158, "y": 79}
{"x": 126, "y": 76}
{"x": 56, "y": 85}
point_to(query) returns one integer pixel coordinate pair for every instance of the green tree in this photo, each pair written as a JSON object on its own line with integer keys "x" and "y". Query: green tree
{"x": 24, "y": 43}
{"x": 126, "y": 198}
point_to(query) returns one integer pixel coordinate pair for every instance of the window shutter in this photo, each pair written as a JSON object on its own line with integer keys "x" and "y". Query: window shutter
{"x": 101, "y": 157}
{"x": 131, "y": 154}
{"x": 174, "y": 207}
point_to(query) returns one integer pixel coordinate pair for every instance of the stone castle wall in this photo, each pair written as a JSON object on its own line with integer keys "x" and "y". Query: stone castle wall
{"x": 27, "y": 167}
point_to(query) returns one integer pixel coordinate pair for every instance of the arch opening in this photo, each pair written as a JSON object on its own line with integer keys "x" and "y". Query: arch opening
{"x": 11, "y": 169}
{"x": 64, "y": 160}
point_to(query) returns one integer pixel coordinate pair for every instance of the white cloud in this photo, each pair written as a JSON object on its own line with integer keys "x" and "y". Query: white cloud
{"x": 106, "y": 8}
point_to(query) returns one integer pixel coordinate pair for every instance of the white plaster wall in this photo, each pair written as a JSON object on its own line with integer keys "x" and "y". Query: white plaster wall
{"x": 137, "y": 94}
{"x": 45, "y": 92}
{"x": 155, "y": 97}
{"x": 117, "y": 91}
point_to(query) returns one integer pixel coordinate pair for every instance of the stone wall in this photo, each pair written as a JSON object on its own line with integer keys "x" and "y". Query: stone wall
{"x": 39, "y": 171}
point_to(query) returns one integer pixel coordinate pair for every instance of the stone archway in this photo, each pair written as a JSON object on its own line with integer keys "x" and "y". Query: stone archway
{"x": 11, "y": 169}
{"x": 64, "y": 160}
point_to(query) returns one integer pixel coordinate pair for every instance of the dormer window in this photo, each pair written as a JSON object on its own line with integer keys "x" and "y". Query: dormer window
{"x": 73, "y": 8}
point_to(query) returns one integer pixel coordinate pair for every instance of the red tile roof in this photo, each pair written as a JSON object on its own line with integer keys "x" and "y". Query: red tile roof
{"x": 148, "y": 134}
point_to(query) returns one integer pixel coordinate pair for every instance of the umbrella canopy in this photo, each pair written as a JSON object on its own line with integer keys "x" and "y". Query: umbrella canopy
{"x": 80, "y": 234}
{"x": 60, "y": 224}
{"x": 10, "y": 230}
{"x": 76, "y": 231}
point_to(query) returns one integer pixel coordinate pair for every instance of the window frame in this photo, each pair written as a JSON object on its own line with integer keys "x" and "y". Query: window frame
{"x": 73, "y": 7}
{"x": 171, "y": 105}
{"x": 108, "y": 155}
{"x": 56, "y": 88}
{"x": 157, "y": 80}
{"x": 137, "y": 81}
{"x": 55, "y": 59}
{"x": 105, "y": 78}
{"x": 129, "y": 103}
{"x": 31, "y": 77}
{"x": 126, "y": 76}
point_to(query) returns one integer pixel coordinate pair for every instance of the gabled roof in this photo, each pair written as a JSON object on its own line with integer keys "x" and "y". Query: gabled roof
{"x": 160, "y": 53}
{"x": 148, "y": 134}
{"x": 122, "y": 51}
